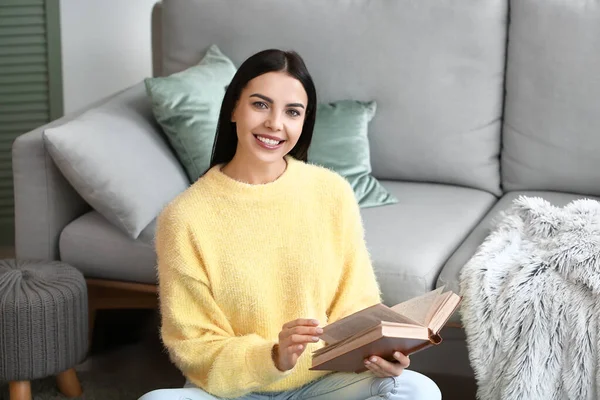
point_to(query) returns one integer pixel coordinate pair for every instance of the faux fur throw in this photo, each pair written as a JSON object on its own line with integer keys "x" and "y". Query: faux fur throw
{"x": 531, "y": 307}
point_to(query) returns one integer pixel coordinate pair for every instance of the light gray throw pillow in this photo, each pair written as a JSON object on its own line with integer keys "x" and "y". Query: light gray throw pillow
{"x": 118, "y": 161}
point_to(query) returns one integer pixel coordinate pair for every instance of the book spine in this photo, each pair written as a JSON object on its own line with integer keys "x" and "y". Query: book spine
{"x": 434, "y": 340}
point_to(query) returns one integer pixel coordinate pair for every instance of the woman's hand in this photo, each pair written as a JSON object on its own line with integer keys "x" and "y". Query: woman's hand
{"x": 383, "y": 369}
{"x": 292, "y": 342}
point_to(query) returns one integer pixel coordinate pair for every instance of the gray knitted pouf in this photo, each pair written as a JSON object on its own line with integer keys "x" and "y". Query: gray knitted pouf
{"x": 43, "y": 319}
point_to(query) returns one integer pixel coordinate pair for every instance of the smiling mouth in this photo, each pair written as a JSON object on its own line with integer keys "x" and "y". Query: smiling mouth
{"x": 269, "y": 141}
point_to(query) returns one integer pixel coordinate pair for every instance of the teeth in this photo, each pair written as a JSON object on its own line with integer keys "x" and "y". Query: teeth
{"x": 270, "y": 142}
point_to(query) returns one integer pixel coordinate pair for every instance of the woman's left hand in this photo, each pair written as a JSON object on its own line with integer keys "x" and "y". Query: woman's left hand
{"x": 383, "y": 369}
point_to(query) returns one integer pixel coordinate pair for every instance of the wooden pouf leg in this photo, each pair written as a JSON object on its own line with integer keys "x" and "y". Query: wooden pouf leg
{"x": 20, "y": 390}
{"x": 68, "y": 384}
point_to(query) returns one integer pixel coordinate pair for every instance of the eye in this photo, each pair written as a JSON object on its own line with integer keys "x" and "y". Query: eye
{"x": 293, "y": 112}
{"x": 260, "y": 104}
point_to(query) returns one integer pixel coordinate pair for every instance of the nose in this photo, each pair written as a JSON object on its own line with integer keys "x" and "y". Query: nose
{"x": 274, "y": 122}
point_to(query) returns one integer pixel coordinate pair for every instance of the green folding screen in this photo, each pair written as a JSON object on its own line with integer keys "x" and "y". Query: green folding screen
{"x": 30, "y": 84}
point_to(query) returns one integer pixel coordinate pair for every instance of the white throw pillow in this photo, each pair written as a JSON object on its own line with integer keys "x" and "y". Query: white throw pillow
{"x": 116, "y": 158}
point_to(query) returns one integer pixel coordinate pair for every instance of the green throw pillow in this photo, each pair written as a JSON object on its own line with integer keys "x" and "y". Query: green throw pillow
{"x": 187, "y": 104}
{"x": 340, "y": 142}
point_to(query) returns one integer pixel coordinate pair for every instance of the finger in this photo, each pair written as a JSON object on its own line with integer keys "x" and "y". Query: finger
{"x": 305, "y": 330}
{"x": 385, "y": 367}
{"x": 402, "y": 359}
{"x": 300, "y": 322}
{"x": 295, "y": 352}
{"x": 295, "y": 349}
{"x": 305, "y": 334}
{"x": 375, "y": 369}
{"x": 379, "y": 374}
{"x": 299, "y": 339}
{"x": 294, "y": 355}
{"x": 302, "y": 334}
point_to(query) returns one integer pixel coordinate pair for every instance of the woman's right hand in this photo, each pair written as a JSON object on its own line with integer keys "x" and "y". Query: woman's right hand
{"x": 293, "y": 338}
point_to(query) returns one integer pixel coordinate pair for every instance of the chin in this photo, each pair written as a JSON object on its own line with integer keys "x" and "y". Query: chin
{"x": 270, "y": 157}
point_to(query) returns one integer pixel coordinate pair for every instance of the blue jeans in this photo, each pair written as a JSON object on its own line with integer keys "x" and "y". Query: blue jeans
{"x": 409, "y": 385}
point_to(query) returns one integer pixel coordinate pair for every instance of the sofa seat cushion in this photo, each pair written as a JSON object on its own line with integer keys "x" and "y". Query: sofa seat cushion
{"x": 410, "y": 241}
{"x": 450, "y": 275}
{"x": 101, "y": 250}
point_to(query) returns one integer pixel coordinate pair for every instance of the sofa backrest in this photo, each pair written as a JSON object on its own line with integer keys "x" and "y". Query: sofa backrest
{"x": 551, "y": 138}
{"x": 435, "y": 68}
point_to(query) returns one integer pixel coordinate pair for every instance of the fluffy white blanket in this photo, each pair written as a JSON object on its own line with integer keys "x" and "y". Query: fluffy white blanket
{"x": 531, "y": 307}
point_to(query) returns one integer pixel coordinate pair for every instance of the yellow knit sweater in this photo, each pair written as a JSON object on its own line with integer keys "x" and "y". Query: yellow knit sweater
{"x": 237, "y": 261}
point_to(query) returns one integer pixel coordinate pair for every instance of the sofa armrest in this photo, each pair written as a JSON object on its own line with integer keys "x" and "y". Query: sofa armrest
{"x": 45, "y": 202}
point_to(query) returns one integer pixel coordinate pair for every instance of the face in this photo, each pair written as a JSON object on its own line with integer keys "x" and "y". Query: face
{"x": 269, "y": 116}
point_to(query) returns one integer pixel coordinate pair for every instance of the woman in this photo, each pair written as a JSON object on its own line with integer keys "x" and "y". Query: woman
{"x": 262, "y": 250}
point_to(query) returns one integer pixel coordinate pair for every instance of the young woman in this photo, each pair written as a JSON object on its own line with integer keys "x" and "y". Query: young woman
{"x": 264, "y": 249}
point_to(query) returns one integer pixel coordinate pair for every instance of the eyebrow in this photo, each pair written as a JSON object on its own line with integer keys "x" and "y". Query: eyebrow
{"x": 265, "y": 98}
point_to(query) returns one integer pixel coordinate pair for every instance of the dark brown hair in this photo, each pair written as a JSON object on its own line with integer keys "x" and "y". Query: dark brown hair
{"x": 261, "y": 63}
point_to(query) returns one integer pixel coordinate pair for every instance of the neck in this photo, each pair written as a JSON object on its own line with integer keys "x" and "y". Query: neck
{"x": 253, "y": 172}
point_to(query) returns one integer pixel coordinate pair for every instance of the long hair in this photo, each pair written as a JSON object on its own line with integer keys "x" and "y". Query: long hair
{"x": 272, "y": 60}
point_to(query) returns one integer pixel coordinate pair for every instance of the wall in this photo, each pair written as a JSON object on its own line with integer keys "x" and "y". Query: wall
{"x": 106, "y": 47}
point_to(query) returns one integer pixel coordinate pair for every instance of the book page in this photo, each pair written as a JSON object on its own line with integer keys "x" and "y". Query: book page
{"x": 361, "y": 321}
{"x": 422, "y": 308}
{"x": 437, "y": 306}
{"x": 451, "y": 303}
{"x": 334, "y": 345}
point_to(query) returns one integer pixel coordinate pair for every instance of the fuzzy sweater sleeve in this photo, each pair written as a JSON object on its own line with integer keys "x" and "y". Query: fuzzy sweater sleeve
{"x": 358, "y": 287}
{"x": 197, "y": 334}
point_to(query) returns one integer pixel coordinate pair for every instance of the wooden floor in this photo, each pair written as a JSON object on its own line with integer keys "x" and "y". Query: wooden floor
{"x": 7, "y": 252}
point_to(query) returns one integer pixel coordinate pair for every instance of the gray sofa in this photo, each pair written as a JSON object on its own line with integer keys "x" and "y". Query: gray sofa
{"x": 478, "y": 103}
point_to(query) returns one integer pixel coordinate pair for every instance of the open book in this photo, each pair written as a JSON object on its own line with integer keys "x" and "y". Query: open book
{"x": 379, "y": 330}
